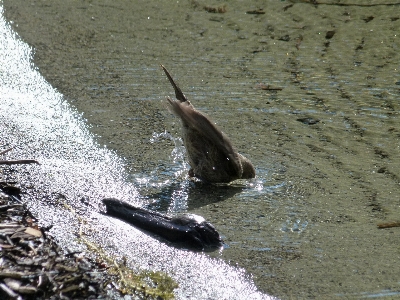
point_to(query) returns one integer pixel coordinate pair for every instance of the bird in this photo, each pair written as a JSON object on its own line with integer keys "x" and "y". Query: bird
{"x": 211, "y": 155}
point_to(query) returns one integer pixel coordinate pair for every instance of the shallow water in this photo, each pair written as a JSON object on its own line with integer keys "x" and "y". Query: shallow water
{"x": 306, "y": 226}
{"x": 75, "y": 174}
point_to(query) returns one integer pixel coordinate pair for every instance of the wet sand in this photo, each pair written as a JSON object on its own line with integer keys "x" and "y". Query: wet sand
{"x": 335, "y": 64}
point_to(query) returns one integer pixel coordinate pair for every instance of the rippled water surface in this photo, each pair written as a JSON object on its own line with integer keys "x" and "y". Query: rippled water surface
{"x": 75, "y": 173}
{"x": 309, "y": 93}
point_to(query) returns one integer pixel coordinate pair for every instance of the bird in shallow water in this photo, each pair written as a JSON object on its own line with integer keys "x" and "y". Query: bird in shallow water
{"x": 211, "y": 155}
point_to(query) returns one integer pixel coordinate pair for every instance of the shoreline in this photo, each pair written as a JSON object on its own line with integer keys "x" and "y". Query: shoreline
{"x": 327, "y": 137}
{"x": 35, "y": 267}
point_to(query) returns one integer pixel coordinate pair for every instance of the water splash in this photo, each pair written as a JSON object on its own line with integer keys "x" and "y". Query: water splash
{"x": 179, "y": 151}
{"x": 39, "y": 124}
{"x": 294, "y": 225}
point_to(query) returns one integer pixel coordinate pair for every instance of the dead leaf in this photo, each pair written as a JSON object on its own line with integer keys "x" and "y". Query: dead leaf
{"x": 33, "y": 232}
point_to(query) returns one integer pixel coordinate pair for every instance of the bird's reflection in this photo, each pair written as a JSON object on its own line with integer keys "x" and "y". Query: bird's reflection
{"x": 189, "y": 195}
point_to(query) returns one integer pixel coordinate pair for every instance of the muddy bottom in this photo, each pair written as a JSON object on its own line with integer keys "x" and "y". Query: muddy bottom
{"x": 309, "y": 93}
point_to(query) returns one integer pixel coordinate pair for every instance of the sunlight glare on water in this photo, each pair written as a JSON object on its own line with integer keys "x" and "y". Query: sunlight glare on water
{"x": 75, "y": 174}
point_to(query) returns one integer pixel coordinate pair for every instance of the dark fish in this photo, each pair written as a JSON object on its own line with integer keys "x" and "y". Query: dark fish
{"x": 188, "y": 230}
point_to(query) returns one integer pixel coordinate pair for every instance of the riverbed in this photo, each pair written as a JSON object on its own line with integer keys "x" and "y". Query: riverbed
{"x": 309, "y": 93}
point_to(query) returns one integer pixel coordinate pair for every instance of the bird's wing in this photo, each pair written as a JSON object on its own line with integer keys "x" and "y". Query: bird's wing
{"x": 202, "y": 124}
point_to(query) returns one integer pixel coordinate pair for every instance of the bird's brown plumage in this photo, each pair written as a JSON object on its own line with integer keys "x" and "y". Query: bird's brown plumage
{"x": 211, "y": 155}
